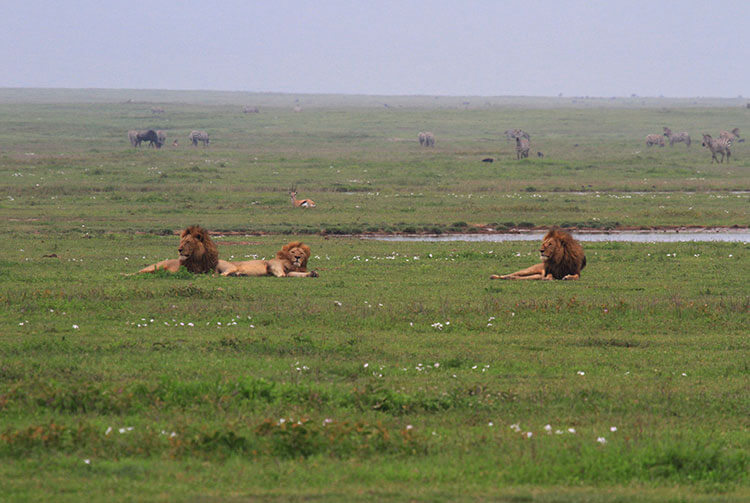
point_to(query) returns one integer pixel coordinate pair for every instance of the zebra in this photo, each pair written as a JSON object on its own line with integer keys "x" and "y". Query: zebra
{"x": 157, "y": 110}
{"x": 522, "y": 148}
{"x": 132, "y": 134}
{"x": 516, "y": 133}
{"x": 196, "y": 136}
{"x": 677, "y": 138}
{"x": 422, "y": 138}
{"x": 654, "y": 139}
{"x": 429, "y": 139}
{"x": 250, "y": 110}
{"x": 162, "y": 135}
{"x": 717, "y": 146}
{"x": 732, "y": 135}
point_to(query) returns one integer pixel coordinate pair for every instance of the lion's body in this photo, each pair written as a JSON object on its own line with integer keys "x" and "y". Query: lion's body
{"x": 562, "y": 258}
{"x": 290, "y": 261}
{"x": 198, "y": 253}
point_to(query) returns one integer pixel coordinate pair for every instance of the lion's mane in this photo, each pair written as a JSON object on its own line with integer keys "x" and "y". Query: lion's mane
{"x": 285, "y": 255}
{"x": 567, "y": 257}
{"x": 204, "y": 254}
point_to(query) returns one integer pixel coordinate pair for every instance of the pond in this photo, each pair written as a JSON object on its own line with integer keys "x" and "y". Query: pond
{"x": 671, "y": 236}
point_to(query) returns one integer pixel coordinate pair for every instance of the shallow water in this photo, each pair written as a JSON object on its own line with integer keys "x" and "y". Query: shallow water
{"x": 723, "y": 235}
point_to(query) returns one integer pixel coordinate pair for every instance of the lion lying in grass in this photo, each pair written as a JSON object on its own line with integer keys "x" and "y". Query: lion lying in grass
{"x": 290, "y": 261}
{"x": 198, "y": 253}
{"x": 562, "y": 258}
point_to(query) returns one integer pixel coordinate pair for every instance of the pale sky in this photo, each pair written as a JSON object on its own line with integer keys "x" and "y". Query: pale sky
{"x": 405, "y": 47}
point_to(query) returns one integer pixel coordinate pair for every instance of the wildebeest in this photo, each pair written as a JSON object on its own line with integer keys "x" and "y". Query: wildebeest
{"x": 198, "y": 136}
{"x": 136, "y": 137}
{"x": 250, "y": 110}
{"x": 522, "y": 148}
{"x": 654, "y": 139}
{"x": 676, "y": 137}
{"x": 429, "y": 139}
{"x": 488, "y": 159}
{"x": 157, "y": 110}
{"x": 717, "y": 146}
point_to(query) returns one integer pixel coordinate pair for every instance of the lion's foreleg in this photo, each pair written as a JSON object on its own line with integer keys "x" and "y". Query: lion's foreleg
{"x": 171, "y": 265}
{"x": 572, "y": 277}
{"x": 299, "y": 274}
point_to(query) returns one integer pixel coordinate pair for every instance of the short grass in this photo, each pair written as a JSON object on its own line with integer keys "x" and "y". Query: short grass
{"x": 401, "y": 373}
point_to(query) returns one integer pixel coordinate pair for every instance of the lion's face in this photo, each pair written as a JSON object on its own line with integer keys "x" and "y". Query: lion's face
{"x": 297, "y": 254}
{"x": 192, "y": 244}
{"x": 550, "y": 249}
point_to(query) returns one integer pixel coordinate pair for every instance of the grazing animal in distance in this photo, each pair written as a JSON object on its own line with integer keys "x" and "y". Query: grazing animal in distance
{"x": 522, "y": 148}
{"x": 300, "y": 203}
{"x": 422, "y": 138}
{"x": 562, "y": 258}
{"x": 540, "y": 155}
{"x": 250, "y": 110}
{"x": 132, "y": 136}
{"x": 677, "y": 137}
{"x": 488, "y": 159}
{"x": 198, "y": 136}
{"x": 149, "y": 136}
{"x": 290, "y": 261}
{"x": 429, "y": 139}
{"x": 654, "y": 139}
{"x": 162, "y": 135}
{"x": 717, "y": 146}
{"x": 198, "y": 253}
{"x": 157, "y": 110}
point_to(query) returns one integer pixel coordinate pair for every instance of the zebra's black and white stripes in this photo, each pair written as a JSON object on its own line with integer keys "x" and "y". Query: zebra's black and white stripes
{"x": 683, "y": 137}
{"x": 718, "y": 146}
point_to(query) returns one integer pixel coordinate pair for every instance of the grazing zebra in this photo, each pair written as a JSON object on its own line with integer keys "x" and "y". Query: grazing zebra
{"x": 422, "y": 138}
{"x": 677, "y": 138}
{"x": 522, "y": 148}
{"x": 132, "y": 134}
{"x": 429, "y": 139}
{"x": 512, "y": 134}
{"x": 162, "y": 136}
{"x": 157, "y": 110}
{"x": 198, "y": 136}
{"x": 717, "y": 146}
{"x": 732, "y": 135}
{"x": 250, "y": 110}
{"x": 654, "y": 139}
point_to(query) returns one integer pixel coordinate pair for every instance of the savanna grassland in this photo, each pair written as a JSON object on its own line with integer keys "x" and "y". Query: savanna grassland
{"x": 402, "y": 372}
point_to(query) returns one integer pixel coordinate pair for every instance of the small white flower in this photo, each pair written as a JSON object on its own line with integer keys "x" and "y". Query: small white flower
{"x": 409, "y": 427}
{"x": 515, "y": 427}
{"x": 87, "y": 461}
{"x": 528, "y": 434}
{"x": 548, "y": 428}
{"x": 571, "y": 430}
{"x": 581, "y": 373}
{"x": 601, "y": 440}
{"x": 436, "y": 365}
{"x": 366, "y": 365}
{"x": 76, "y": 327}
{"x": 490, "y": 424}
{"x": 109, "y": 430}
{"x": 684, "y": 374}
{"x": 613, "y": 429}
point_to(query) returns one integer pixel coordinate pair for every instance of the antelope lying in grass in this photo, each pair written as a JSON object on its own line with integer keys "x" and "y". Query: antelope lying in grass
{"x": 301, "y": 203}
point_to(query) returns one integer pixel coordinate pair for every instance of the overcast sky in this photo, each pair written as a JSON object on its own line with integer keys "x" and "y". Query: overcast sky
{"x": 463, "y": 47}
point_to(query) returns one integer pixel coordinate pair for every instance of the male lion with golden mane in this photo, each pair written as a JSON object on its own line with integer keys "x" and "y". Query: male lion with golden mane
{"x": 198, "y": 253}
{"x": 290, "y": 261}
{"x": 562, "y": 258}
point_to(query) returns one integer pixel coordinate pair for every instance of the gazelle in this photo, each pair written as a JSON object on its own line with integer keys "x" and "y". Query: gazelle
{"x": 301, "y": 203}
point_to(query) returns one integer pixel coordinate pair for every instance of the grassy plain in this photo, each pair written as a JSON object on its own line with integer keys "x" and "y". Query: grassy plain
{"x": 401, "y": 373}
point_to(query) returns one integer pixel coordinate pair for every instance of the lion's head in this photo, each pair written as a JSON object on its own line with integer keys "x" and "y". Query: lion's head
{"x": 198, "y": 253}
{"x": 296, "y": 254}
{"x": 561, "y": 254}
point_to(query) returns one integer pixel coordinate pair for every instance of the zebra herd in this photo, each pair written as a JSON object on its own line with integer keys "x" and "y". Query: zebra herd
{"x": 717, "y": 146}
{"x": 157, "y": 138}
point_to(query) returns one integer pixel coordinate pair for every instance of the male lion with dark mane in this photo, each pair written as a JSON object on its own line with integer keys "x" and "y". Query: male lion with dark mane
{"x": 562, "y": 258}
{"x": 290, "y": 261}
{"x": 198, "y": 253}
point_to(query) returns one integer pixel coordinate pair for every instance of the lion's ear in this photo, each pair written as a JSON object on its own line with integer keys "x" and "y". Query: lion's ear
{"x": 199, "y": 237}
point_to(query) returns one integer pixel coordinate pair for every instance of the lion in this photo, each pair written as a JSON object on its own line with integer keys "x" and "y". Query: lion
{"x": 562, "y": 258}
{"x": 290, "y": 261}
{"x": 198, "y": 253}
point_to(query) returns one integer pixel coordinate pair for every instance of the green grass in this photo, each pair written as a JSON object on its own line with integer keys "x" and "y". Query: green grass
{"x": 402, "y": 372}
